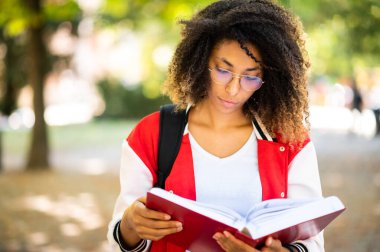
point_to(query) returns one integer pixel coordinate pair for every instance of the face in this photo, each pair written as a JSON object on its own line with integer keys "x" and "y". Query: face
{"x": 228, "y": 60}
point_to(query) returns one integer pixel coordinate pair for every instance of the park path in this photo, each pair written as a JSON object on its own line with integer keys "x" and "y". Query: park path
{"x": 68, "y": 209}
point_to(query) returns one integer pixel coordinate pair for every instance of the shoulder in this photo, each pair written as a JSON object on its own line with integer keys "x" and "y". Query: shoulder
{"x": 143, "y": 139}
{"x": 295, "y": 147}
{"x": 149, "y": 120}
{"x": 298, "y": 147}
{"x": 145, "y": 130}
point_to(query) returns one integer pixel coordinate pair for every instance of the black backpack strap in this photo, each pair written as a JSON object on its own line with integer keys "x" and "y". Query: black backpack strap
{"x": 172, "y": 126}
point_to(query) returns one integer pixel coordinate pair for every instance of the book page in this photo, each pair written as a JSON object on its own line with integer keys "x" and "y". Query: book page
{"x": 270, "y": 208}
{"x": 292, "y": 213}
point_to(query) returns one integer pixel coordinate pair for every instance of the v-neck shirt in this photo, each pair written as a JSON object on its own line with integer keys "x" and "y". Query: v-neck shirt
{"x": 231, "y": 181}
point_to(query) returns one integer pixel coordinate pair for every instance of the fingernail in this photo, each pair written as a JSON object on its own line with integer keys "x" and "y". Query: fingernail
{"x": 178, "y": 224}
{"x": 167, "y": 217}
{"x": 227, "y": 234}
{"x": 216, "y": 236}
{"x": 269, "y": 241}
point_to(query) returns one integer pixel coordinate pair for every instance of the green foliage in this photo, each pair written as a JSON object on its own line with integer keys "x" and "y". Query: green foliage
{"x": 361, "y": 19}
{"x": 328, "y": 51}
{"x": 101, "y": 133}
{"x": 60, "y": 11}
{"x": 127, "y": 103}
{"x": 117, "y": 9}
{"x": 13, "y": 17}
{"x": 363, "y": 22}
{"x": 15, "y": 76}
{"x": 155, "y": 22}
{"x": 139, "y": 14}
{"x": 342, "y": 33}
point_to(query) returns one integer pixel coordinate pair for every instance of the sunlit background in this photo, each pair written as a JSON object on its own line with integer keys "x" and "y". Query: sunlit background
{"x": 101, "y": 64}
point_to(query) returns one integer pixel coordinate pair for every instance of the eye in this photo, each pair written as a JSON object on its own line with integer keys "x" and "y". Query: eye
{"x": 252, "y": 78}
{"x": 222, "y": 71}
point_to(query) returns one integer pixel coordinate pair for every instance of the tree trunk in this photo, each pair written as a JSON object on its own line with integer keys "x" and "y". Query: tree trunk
{"x": 36, "y": 52}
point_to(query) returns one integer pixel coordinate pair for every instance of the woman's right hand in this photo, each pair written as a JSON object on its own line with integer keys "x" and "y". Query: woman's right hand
{"x": 146, "y": 223}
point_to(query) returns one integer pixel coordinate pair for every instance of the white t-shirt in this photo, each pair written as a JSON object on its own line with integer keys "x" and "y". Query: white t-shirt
{"x": 233, "y": 181}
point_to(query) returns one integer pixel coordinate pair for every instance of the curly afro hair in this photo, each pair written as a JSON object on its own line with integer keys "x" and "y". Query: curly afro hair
{"x": 282, "y": 102}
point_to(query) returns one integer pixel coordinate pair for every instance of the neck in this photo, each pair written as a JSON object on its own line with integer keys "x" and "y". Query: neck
{"x": 206, "y": 114}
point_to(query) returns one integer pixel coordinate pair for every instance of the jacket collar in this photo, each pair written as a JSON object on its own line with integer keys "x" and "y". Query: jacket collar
{"x": 260, "y": 131}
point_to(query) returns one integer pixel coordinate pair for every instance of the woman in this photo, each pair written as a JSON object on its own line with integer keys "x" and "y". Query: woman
{"x": 240, "y": 70}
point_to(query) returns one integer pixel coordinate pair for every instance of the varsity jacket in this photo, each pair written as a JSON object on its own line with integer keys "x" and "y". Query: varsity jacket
{"x": 285, "y": 171}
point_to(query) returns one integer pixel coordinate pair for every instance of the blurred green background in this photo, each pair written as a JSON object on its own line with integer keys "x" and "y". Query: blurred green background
{"x": 76, "y": 75}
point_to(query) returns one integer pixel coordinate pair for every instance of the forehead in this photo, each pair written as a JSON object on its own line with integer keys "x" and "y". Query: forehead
{"x": 231, "y": 51}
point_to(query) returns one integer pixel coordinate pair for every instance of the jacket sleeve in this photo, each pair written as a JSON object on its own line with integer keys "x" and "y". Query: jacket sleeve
{"x": 135, "y": 181}
{"x": 137, "y": 173}
{"x": 304, "y": 182}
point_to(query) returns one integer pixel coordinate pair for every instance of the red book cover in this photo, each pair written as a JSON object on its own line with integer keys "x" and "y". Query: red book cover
{"x": 278, "y": 218}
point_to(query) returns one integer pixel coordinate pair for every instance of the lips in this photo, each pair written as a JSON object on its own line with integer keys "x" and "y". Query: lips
{"x": 228, "y": 103}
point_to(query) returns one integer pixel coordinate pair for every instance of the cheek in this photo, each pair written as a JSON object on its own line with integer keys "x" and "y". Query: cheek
{"x": 215, "y": 88}
{"x": 246, "y": 95}
{"x": 249, "y": 94}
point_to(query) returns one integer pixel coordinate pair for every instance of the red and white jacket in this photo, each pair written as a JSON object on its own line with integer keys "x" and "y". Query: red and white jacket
{"x": 285, "y": 172}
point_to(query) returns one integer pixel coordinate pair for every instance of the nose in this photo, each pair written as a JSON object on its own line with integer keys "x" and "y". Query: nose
{"x": 233, "y": 87}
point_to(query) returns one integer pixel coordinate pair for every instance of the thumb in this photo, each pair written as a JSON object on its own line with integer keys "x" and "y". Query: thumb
{"x": 269, "y": 242}
{"x": 274, "y": 244}
{"x": 142, "y": 200}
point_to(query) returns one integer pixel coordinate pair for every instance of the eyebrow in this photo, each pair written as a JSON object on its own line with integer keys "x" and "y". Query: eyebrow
{"x": 231, "y": 65}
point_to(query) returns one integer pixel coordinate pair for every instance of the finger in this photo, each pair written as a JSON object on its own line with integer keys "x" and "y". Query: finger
{"x": 151, "y": 224}
{"x": 221, "y": 240}
{"x": 154, "y": 219}
{"x": 154, "y": 233}
{"x": 149, "y": 227}
{"x": 273, "y": 244}
{"x": 142, "y": 210}
{"x": 157, "y": 224}
{"x": 142, "y": 200}
{"x": 229, "y": 243}
{"x": 138, "y": 215}
{"x": 147, "y": 222}
{"x": 244, "y": 246}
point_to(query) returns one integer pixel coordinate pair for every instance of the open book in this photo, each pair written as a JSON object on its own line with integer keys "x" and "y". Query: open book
{"x": 285, "y": 219}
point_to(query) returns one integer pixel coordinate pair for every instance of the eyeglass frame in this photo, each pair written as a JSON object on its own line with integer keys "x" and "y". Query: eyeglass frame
{"x": 235, "y": 75}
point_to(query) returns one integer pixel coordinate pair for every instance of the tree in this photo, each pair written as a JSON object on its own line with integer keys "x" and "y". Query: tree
{"x": 340, "y": 33}
{"x": 32, "y": 19}
{"x": 36, "y": 56}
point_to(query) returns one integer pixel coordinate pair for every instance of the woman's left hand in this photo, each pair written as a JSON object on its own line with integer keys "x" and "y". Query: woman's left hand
{"x": 230, "y": 244}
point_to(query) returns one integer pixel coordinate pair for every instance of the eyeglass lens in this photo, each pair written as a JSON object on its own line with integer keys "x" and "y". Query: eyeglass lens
{"x": 223, "y": 77}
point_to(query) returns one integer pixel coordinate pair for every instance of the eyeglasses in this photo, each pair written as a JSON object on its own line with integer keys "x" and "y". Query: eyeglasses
{"x": 247, "y": 82}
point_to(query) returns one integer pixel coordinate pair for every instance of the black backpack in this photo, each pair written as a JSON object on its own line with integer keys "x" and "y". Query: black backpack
{"x": 172, "y": 126}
